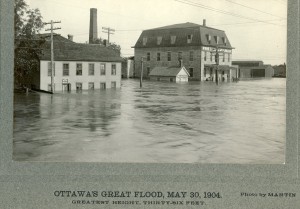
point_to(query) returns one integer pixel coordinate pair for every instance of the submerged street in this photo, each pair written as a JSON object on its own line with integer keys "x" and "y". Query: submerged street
{"x": 163, "y": 122}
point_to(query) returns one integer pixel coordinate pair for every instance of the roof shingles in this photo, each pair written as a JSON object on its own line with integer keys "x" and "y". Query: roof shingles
{"x": 181, "y": 31}
{"x": 166, "y": 71}
{"x": 71, "y": 51}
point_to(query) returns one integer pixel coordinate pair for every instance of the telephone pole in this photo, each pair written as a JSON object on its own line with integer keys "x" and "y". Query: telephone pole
{"x": 52, "y": 51}
{"x": 217, "y": 59}
{"x": 108, "y": 31}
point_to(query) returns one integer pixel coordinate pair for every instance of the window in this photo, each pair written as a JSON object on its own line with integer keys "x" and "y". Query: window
{"x": 205, "y": 56}
{"x": 78, "y": 86}
{"x": 205, "y": 71}
{"x": 78, "y": 69}
{"x": 169, "y": 56}
{"x": 113, "y": 69}
{"x": 148, "y": 56}
{"x": 179, "y": 55}
{"x": 158, "y": 56}
{"x": 102, "y": 69}
{"x": 91, "y": 85}
{"x": 113, "y": 84}
{"x": 49, "y": 69}
{"x": 65, "y": 69}
{"x": 102, "y": 85}
{"x": 224, "y": 57}
{"x": 224, "y": 41}
{"x": 189, "y": 38}
{"x": 144, "y": 41}
{"x": 191, "y": 72}
{"x": 148, "y": 70}
{"x": 211, "y": 56}
{"x": 191, "y": 55}
{"x": 173, "y": 39}
{"x": 91, "y": 69}
{"x": 171, "y": 79}
{"x": 208, "y": 38}
{"x": 228, "y": 57}
{"x": 159, "y": 39}
{"x": 217, "y": 39}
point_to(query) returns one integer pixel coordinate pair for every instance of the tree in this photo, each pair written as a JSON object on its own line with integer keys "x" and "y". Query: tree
{"x": 28, "y": 23}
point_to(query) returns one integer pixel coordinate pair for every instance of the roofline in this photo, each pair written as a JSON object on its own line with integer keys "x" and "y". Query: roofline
{"x": 80, "y": 60}
{"x": 145, "y": 47}
{"x": 192, "y": 27}
{"x": 247, "y": 61}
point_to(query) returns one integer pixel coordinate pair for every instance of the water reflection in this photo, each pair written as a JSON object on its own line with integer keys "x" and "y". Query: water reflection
{"x": 163, "y": 122}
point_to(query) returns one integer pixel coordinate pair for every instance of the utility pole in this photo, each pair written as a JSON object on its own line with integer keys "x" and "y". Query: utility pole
{"x": 52, "y": 51}
{"x": 108, "y": 31}
{"x": 217, "y": 63}
{"x": 142, "y": 71}
{"x": 217, "y": 59}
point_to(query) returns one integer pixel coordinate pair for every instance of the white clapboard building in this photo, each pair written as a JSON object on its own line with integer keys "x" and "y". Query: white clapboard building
{"x": 78, "y": 67}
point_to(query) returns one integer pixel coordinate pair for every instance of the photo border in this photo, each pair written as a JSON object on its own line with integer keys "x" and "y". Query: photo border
{"x": 56, "y": 171}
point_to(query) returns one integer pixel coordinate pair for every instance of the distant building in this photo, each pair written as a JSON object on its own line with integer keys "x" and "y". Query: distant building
{"x": 128, "y": 67}
{"x": 195, "y": 45}
{"x": 171, "y": 74}
{"x": 254, "y": 69}
{"x": 280, "y": 70}
{"x": 78, "y": 66}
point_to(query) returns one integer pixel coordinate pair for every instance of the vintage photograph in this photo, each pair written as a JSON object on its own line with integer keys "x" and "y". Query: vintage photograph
{"x": 139, "y": 81}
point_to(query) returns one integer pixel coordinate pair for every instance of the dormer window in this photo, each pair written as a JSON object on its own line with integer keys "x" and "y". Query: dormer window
{"x": 173, "y": 39}
{"x": 224, "y": 40}
{"x": 159, "y": 39}
{"x": 208, "y": 38}
{"x": 189, "y": 38}
{"x": 144, "y": 41}
{"x": 217, "y": 39}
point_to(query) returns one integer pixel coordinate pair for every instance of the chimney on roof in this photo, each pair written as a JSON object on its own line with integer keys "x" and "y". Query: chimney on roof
{"x": 70, "y": 37}
{"x": 204, "y": 22}
{"x": 93, "y": 25}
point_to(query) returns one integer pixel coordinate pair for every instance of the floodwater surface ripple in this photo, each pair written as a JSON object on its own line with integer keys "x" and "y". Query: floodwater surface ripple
{"x": 195, "y": 122}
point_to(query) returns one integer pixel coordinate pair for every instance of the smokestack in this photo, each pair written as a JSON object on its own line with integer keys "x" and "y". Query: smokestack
{"x": 93, "y": 25}
{"x": 204, "y": 22}
{"x": 70, "y": 37}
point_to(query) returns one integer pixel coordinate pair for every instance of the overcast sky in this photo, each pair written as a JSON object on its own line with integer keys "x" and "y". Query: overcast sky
{"x": 255, "y": 28}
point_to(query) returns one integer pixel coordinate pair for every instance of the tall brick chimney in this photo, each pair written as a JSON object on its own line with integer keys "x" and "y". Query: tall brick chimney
{"x": 204, "y": 22}
{"x": 93, "y": 25}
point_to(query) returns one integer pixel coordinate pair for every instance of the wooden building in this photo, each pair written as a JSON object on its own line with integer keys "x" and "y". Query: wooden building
{"x": 254, "y": 69}
{"x": 172, "y": 74}
{"x": 78, "y": 67}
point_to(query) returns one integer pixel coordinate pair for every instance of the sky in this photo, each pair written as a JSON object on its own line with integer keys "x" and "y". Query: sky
{"x": 256, "y": 29}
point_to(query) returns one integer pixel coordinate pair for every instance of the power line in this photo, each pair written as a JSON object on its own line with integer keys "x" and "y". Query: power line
{"x": 239, "y": 23}
{"x": 220, "y": 11}
{"x": 108, "y": 31}
{"x": 253, "y": 9}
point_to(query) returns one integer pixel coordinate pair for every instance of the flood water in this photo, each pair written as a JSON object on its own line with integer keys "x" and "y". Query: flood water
{"x": 195, "y": 122}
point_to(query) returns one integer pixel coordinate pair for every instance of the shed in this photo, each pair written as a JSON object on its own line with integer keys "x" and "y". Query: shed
{"x": 172, "y": 74}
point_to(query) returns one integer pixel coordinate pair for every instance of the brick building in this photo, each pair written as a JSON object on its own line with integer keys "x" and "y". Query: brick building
{"x": 193, "y": 44}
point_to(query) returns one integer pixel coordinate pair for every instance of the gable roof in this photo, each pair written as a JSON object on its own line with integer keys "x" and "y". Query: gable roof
{"x": 199, "y": 34}
{"x": 167, "y": 71}
{"x": 67, "y": 50}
